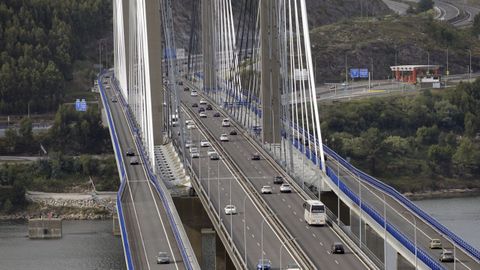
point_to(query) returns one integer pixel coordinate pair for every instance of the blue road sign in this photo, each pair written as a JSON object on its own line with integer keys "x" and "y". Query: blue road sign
{"x": 363, "y": 73}
{"x": 77, "y": 104}
{"x": 354, "y": 73}
{"x": 83, "y": 105}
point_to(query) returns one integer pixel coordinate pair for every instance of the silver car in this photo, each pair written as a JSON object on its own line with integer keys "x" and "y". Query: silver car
{"x": 163, "y": 258}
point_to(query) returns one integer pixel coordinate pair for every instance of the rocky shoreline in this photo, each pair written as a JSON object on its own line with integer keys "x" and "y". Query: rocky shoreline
{"x": 68, "y": 206}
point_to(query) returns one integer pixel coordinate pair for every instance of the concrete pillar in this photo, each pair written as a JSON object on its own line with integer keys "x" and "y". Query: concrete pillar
{"x": 116, "y": 224}
{"x": 208, "y": 47}
{"x": 39, "y": 228}
{"x": 154, "y": 70}
{"x": 209, "y": 249}
{"x": 126, "y": 33}
{"x": 270, "y": 71}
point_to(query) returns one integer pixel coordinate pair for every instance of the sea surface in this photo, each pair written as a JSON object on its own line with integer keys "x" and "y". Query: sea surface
{"x": 84, "y": 245}
{"x": 460, "y": 215}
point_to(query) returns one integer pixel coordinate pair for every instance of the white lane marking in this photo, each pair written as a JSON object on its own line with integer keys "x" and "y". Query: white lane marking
{"x": 321, "y": 244}
{"x": 245, "y": 191}
{"x": 258, "y": 244}
{"x": 336, "y": 262}
{"x": 163, "y": 225}
{"x": 314, "y": 235}
{"x": 283, "y": 199}
{"x": 295, "y": 213}
{"x": 248, "y": 228}
{"x": 153, "y": 197}
{"x": 138, "y": 224}
{"x": 289, "y": 206}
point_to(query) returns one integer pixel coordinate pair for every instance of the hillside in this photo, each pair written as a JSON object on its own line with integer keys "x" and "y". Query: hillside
{"x": 378, "y": 40}
{"x": 320, "y": 12}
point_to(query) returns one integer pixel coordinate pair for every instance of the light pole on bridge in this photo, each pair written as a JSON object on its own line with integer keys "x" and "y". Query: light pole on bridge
{"x": 414, "y": 234}
{"x": 281, "y": 247}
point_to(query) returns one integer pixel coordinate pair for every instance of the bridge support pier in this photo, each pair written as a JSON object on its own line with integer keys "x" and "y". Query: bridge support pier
{"x": 208, "y": 46}
{"x": 208, "y": 249}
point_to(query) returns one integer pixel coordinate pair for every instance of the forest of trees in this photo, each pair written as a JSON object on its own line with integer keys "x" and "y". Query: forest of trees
{"x": 428, "y": 141}
{"x": 40, "y": 40}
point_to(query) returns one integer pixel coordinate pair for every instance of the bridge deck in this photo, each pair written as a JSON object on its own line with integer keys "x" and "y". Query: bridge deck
{"x": 148, "y": 227}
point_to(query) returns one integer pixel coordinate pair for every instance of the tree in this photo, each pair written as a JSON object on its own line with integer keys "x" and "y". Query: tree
{"x": 476, "y": 25}
{"x": 467, "y": 157}
{"x": 424, "y": 5}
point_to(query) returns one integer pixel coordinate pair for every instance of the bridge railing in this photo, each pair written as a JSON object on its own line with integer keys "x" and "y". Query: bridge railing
{"x": 396, "y": 195}
{"x": 405, "y": 201}
{"x": 405, "y": 241}
{"x": 121, "y": 169}
{"x": 152, "y": 177}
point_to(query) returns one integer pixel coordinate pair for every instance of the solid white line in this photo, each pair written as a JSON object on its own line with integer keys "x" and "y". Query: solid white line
{"x": 138, "y": 224}
{"x": 151, "y": 192}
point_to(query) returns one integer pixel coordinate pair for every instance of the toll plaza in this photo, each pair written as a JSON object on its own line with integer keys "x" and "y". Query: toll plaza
{"x": 416, "y": 73}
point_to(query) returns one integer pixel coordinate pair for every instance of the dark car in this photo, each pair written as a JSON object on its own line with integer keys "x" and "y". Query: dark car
{"x": 130, "y": 152}
{"x": 256, "y": 156}
{"x": 278, "y": 180}
{"x": 337, "y": 248}
{"x": 216, "y": 114}
{"x": 186, "y": 89}
{"x": 209, "y": 107}
{"x": 180, "y": 83}
{"x": 214, "y": 156}
{"x": 201, "y": 109}
{"x": 233, "y": 132}
{"x": 194, "y": 105}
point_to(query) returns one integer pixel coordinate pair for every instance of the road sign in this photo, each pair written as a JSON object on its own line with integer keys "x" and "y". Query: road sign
{"x": 83, "y": 105}
{"x": 363, "y": 73}
{"x": 354, "y": 73}
{"x": 77, "y": 104}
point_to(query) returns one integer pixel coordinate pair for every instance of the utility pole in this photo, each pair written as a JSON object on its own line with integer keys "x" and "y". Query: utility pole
{"x": 346, "y": 69}
{"x": 448, "y": 71}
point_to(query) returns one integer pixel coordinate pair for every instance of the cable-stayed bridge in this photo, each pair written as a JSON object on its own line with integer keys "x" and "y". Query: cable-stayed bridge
{"x": 250, "y": 65}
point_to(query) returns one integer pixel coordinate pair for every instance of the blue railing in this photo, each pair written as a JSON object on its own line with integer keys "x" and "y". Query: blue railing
{"x": 421, "y": 254}
{"x": 153, "y": 178}
{"x": 398, "y": 196}
{"x": 121, "y": 168}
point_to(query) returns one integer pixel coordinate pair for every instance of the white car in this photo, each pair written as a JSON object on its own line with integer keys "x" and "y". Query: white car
{"x": 224, "y": 138}
{"x": 191, "y": 126}
{"x": 204, "y": 143}
{"x": 193, "y": 93}
{"x": 212, "y": 152}
{"x": 202, "y": 115}
{"x": 226, "y": 122}
{"x": 285, "y": 188}
{"x": 230, "y": 209}
{"x": 189, "y": 121}
{"x": 188, "y": 144}
{"x": 194, "y": 152}
{"x": 203, "y": 102}
{"x": 266, "y": 190}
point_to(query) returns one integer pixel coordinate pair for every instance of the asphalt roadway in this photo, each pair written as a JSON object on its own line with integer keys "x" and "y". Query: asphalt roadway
{"x": 315, "y": 241}
{"x": 399, "y": 216}
{"x": 148, "y": 227}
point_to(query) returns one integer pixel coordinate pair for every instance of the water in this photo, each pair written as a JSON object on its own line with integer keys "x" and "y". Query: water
{"x": 84, "y": 245}
{"x": 460, "y": 215}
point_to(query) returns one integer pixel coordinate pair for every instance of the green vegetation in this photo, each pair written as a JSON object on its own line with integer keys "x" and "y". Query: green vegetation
{"x": 72, "y": 133}
{"x": 424, "y": 5}
{"x": 57, "y": 173}
{"x": 426, "y": 142}
{"x": 391, "y": 40}
{"x": 476, "y": 25}
{"x": 40, "y": 42}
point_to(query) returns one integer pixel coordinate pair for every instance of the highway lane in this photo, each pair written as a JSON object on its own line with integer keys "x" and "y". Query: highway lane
{"x": 217, "y": 180}
{"x": 399, "y": 216}
{"x": 148, "y": 227}
{"x": 315, "y": 241}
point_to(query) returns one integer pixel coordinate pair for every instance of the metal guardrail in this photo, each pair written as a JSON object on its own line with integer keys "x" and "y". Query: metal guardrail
{"x": 398, "y": 196}
{"x": 267, "y": 212}
{"x": 121, "y": 169}
{"x": 421, "y": 254}
{"x": 133, "y": 127}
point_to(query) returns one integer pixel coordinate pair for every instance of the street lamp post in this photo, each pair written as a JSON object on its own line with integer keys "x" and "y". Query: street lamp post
{"x": 428, "y": 62}
{"x": 261, "y": 231}
{"x": 414, "y": 235}
{"x": 245, "y": 231}
{"x": 384, "y": 230}
{"x": 281, "y": 247}
{"x": 470, "y": 65}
